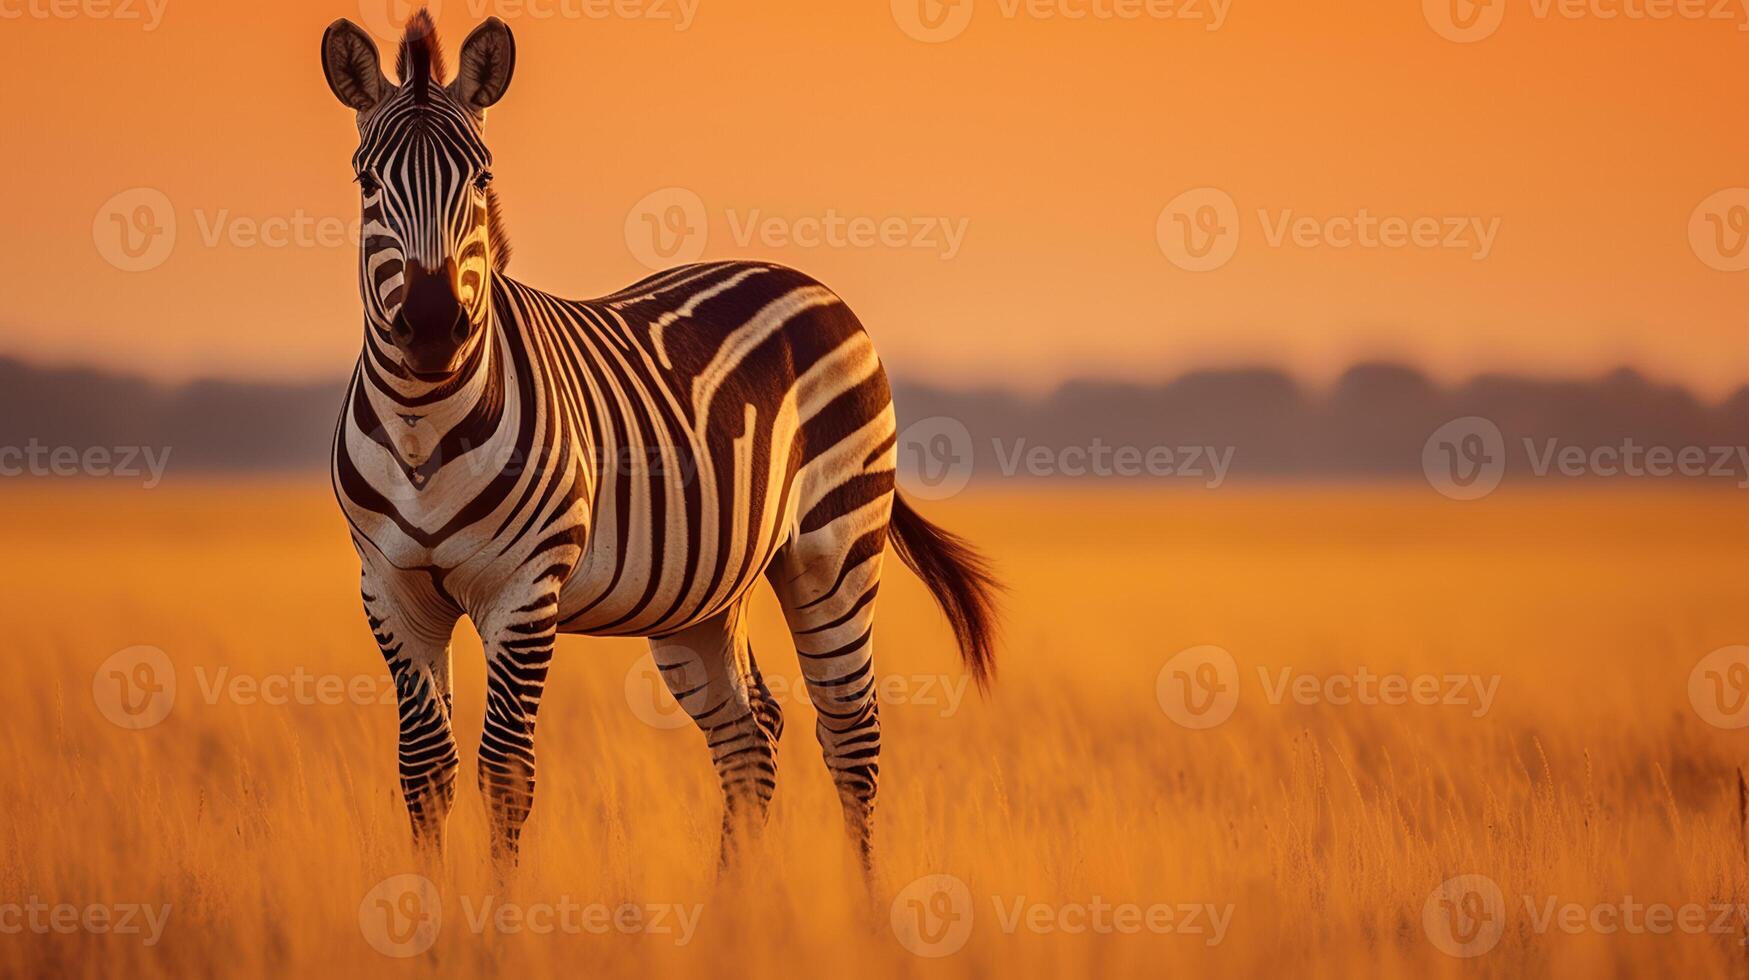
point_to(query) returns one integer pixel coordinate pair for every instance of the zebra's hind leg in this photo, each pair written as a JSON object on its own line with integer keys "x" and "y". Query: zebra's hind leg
{"x": 826, "y": 580}
{"x": 412, "y": 626}
{"x": 709, "y": 669}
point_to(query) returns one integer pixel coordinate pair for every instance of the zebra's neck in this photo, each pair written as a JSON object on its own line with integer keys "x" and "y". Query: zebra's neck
{"x": 426, "y": 424}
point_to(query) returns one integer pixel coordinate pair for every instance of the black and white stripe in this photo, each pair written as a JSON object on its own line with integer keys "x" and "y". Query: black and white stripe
{"x": 629, "y": 465}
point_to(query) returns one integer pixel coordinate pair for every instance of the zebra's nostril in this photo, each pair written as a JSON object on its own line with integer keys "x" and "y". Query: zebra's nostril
{"x": 462, "y": 329}
{"x": 401, "y": 331}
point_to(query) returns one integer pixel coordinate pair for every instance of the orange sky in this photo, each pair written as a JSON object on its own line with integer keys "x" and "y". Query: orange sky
{"x": 1053, "y": 142}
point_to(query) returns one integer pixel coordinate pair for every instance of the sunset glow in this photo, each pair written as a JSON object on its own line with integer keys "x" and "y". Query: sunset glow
{"x": 990, "y": 202}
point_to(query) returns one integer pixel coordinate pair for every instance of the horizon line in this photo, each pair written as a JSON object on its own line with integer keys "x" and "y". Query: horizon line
{"x": 1031, "y": 392}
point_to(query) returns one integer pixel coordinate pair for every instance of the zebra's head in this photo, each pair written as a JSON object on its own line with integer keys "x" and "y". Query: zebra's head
{"x": 432, "y": 234}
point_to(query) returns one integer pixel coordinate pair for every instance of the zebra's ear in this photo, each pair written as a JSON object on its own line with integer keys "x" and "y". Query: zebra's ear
{"x": 349, "y": 59}
{"x": 488, "y": 59}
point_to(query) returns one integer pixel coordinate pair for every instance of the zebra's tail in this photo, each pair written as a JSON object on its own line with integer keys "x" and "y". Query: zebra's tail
{"x": 960, "y": 578}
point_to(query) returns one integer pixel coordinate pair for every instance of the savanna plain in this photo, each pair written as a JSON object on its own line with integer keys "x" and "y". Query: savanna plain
{"x": 1560, "y": 755}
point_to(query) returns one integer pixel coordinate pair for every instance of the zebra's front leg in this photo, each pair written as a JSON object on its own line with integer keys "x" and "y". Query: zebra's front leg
{"x": 709, "y": 669}
{"x": 519, "y": 651}
{"x": 412, "y": 626}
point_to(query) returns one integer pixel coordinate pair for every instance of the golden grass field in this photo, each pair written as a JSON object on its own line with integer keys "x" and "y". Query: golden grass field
{"x": 1319, "y": 831}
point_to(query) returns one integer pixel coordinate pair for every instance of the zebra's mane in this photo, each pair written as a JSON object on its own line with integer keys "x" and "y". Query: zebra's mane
{"x": 422, "y": 55}
{"x": 496, "y": 231}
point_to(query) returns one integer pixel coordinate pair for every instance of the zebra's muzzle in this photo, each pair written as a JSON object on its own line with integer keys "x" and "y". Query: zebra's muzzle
{"x": 432, "y": 326}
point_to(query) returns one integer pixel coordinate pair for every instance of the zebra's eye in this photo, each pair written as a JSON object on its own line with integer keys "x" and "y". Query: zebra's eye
{"x": 484, "y": 180}
{"x": 368, "y": 184}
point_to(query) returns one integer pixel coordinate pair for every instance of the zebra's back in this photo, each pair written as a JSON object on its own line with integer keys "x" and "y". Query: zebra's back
{"x": 743, "y": 403}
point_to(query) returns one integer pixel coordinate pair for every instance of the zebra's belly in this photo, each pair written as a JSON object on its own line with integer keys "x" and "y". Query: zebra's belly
{"x": 642, "y": 577}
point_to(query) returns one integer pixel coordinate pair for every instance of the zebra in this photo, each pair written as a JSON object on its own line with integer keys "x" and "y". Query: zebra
{"x": 624, "y": 466}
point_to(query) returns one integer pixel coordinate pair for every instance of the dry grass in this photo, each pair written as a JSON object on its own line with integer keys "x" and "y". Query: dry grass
{"x": 1324, "y": 827}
